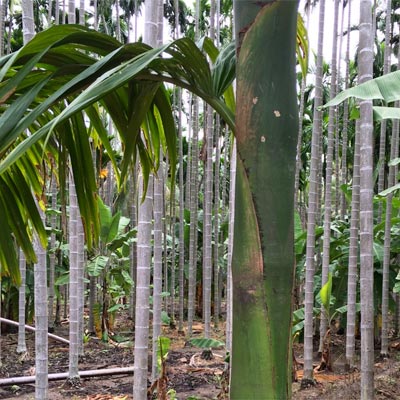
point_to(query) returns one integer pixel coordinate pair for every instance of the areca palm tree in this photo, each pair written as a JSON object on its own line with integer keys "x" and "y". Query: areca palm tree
{"x": 328, "y": 178}
{"x": 383, "y": 132}
{"x": 366, "y": 56}
{"x": 21, "y": 347}
{"x": 73, "y": 284}
{"x": 312, "y": 207}
{"x": 262, "y": 269}
{"x": 135, "y": 71}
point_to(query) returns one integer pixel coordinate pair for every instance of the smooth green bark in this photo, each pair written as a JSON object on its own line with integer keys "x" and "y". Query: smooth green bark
{"x": 263, "y": 256}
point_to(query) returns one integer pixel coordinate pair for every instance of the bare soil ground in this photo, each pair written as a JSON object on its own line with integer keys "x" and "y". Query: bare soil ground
{"x": 189, "y": 376}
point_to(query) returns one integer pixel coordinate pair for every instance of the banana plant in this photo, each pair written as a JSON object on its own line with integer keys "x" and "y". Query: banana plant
{"x": 110, "y": 262}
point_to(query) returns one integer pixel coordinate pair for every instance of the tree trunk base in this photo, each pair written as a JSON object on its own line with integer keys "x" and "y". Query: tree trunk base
{"x": 307, "y": 383}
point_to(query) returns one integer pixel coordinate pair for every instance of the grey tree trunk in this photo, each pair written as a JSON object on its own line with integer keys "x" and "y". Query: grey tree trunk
{"x": 189, "y": 154}
{"x": 95, "y": 15}
{"x": 208, "y": 209}
{"x": 193, "y": 198}
{"x": 387, "y": 241}
{"x": 52, "y": 255}
{"x": 158, "y": 212}
{"x": 82, "y": 12}
{"x": 158, "y": 263}
{"x": 41, "y": 321}
{"x": 92, "y": 279}
{"x": 193, "y": 217}
{"x": 71, "y": 12}
{"x": 366, "y": 56}
{"x": 64, "y": 12}
{"x": 143, "y": 291}
{"x": 40, "y": 269}
{"x": 207, "y": 224}
{"x": 353, "y": 256}
{"x": 133, "y": 252}
{"x": 232, "y": 190}
{"x": 181, "y": 277}
{"x": 57, "y": 12}
{"x": 81, "y": 284}
{"x": 49, "y": 13}
{"x": 383, "y": 133}
{"x": 144, "y": 250}
{"x": 389, "y": 199}
{"x": 2, "y": 16}
{"x": 343, "y": 170}
{"x": 28, "y": 25}
{"x": 21, "y": 347}
{"x": 171, "y": 285}
{"x": 328, "y": 177}
{"x": 217, "y": 244}
{"x": 312, "y": 208}
{"x": 117, "y": 22}
{"x": 73, "y": 372}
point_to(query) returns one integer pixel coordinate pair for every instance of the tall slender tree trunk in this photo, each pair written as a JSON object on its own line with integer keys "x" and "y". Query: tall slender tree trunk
{"x": 383, "y": 133}
{"x": 73, "y": 372}
{"x": 353, "y": 255}
{"x": 181, "y": 277}
{"x": 389, "y": 199}
{"x": 193, "y": 216}
{"x": 193, "y": 198}
{"x": 71, "y": 12}
{"x": 117, "y": 22}
{"x": 263, "y": 257}
{"x": 41, "y": 321}
{"x": 232, "y": 191}
{"x": 312, "y": 208}
{"x": 328, "y": 178}
{"x": 95, "y": 15}
{"x": 40, "y": 269}
{"x": 207, "y": 224}
{"x": 92, "y": 279}
{"x": 158, "y": 263}
{"x": 57, "y": 12}
{"x": 82, "y": 12}
{"x": 2, "y": 28}
{"x": 158, "y": 212}
{"x": 28, "y": 25}
{"x": 365, "y": 58}
{"x": 52, "y": 255}
{"x": 343, "y": 170}
{"x": 217, "y": 244}
{"x": 144, "y": 250}
{"x": 21, "y": 347}
{"x": 133, "y": 252}
{"x": 143, "y": 291}
{"x": 81, "y": 283}
{"x": 387, "y": 241}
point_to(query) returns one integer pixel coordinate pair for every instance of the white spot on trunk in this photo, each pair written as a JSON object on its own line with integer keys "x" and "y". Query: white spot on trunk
{"x": 255, "y": 100}
{"x": 263, "y": 139}
{"x": 277, "y": 113}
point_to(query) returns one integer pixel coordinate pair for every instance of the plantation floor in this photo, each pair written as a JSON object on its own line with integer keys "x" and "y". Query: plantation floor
{"x": 188, "y": 374}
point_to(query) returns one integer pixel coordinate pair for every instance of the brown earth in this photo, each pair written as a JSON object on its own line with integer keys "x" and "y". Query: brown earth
{"x": 188, "y": 375}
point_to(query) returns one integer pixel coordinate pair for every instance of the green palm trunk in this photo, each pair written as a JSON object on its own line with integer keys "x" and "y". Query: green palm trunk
{"x": 263, "y": 256}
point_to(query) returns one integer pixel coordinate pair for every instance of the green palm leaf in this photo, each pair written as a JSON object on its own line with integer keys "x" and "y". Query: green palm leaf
{"x": 386, "y": 87}
{"x": 65, "y": 75}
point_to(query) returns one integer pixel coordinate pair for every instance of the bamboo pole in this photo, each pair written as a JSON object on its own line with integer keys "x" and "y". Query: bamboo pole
{"x": 20, "y": 380}
{"x": 31, "y": 328}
